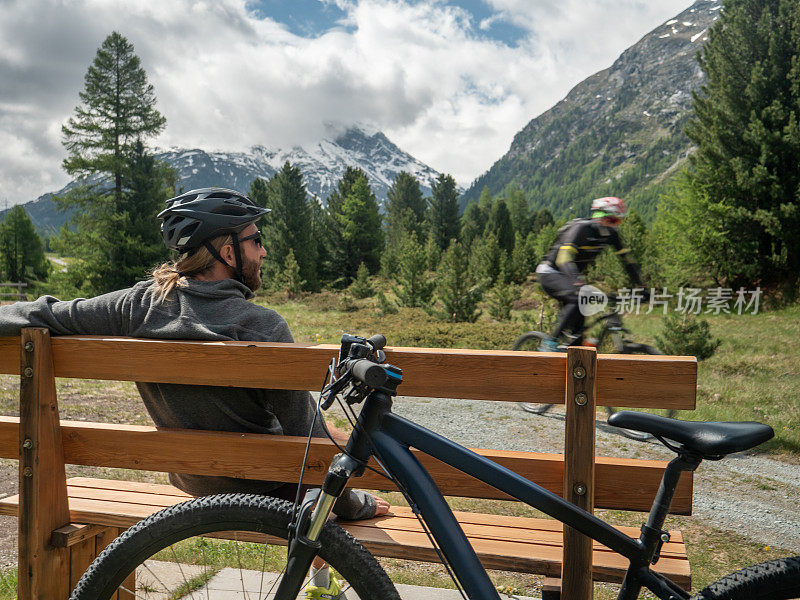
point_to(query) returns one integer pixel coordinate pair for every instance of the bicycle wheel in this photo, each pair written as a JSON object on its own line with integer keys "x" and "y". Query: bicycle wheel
{"x": 636, "y": 348}
{"x": 777, "y": 579}
{"x": 225, "y": 546}
{"x": 530, "y": 341}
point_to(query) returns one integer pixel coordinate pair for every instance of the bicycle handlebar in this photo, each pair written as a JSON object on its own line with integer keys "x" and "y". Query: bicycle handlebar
{"x": 367, "y": 372}
{"x": 377, "y": 341}
{"x": 360, "y": 364}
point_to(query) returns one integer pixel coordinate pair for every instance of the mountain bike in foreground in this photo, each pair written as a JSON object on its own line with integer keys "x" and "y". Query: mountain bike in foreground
{"x": 611, "y": 331}
{"x": 360, "y": 376}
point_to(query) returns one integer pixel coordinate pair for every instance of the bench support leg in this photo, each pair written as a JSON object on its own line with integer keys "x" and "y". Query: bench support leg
{"x": 551, "y": 588}
{"x": 43, "y": 568}
{"x": 579, "y": 450}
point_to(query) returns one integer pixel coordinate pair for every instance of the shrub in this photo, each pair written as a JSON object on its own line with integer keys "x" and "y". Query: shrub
{"x": 385, "y": 306}
{"x": 289, "y": 279}
{"x": 501, "y": 298}
{"x": 347, "y": 303}
{"x": 361, "y": 287}
{"x": 686, "y": 335}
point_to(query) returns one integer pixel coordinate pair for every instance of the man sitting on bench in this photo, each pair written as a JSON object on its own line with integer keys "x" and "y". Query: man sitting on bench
{"x": 201, "y": 296}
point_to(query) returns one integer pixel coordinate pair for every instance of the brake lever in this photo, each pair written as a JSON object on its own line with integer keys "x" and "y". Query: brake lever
{"x": 334, "y": 388}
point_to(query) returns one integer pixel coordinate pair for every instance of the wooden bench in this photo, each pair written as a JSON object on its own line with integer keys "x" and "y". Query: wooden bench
{"x": 65, "y": 523}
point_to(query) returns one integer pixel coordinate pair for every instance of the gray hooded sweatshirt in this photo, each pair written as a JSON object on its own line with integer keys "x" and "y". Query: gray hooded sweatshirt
{"x": 201, "y": 310}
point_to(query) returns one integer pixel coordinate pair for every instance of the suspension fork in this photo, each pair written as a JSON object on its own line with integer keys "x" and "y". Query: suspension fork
{"x": 306, "y": 531}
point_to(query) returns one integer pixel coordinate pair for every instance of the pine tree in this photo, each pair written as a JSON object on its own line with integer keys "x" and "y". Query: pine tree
{"x": 456, "y": 288}
{"x": 743, "y": 193}
{"x": 288, "y": 226}
{"x": 413, "y": 287}
{"x": 21, "y": 248}
{"x": 337, "y": 266}
{"x": 541, "y": 219}
{"x": 686, "y": 335}
{"x": 473, "y": 222}
{"x": 121, "y": 186}
{"x": 500, "y": 298}
{"x": 290, "y": 280}
{"x": 520, "y": 260}
{"x": 405, "y": 208}
{"x": 485, "y": 201}
{"x": 359, "y": 223}
{"x": 543, "y": 242}
{"x": 500, "y": 225}
{"x": 487, "y": 259}
{"x": 117, "y": 110}
{"x": 443, "y": 210}
{"x": 518, "y": 210}
{"x": 432, "y": 251}
{"x": 361, "y": 287}
{"x": 147, "y": 184}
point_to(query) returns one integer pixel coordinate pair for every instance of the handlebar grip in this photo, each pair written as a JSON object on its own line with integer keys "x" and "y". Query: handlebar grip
{"x": 369, "y": 373}
{"x": 377, "y": 341}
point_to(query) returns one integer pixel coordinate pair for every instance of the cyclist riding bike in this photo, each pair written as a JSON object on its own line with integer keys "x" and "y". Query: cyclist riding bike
{"x": 578, "y": 244}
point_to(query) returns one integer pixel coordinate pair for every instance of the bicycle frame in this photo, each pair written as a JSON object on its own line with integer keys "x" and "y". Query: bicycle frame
{"x": 389, "y": 437}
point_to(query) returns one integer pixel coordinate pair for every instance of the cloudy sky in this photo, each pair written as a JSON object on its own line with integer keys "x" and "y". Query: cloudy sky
{"x": 450, "y": 81}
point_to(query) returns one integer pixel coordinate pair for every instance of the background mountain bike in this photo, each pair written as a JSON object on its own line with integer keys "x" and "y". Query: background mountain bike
{"x": 358, "y": 377}
{"x": 612, "y": 332}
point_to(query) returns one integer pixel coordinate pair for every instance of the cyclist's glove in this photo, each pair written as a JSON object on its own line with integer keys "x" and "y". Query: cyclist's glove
{"x": 354, "y": 505}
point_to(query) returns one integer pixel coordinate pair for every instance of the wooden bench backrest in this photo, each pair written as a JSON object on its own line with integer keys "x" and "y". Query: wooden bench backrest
{"x": 622, "y": 380}
{"x": 476, "y": 374}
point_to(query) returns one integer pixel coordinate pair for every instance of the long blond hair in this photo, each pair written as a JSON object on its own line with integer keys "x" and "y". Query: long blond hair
{"x": 170, "y": 275}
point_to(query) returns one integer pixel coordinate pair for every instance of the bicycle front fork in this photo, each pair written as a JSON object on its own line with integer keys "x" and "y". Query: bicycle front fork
{"x": 306, "y": 530}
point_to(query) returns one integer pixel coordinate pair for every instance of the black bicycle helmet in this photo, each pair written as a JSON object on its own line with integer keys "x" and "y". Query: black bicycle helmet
{"x": 200, "y": 215}
{"x": 192, "y": 219}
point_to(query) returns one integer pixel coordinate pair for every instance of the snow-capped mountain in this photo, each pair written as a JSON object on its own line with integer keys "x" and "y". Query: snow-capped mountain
{"x": 322, "y": 165}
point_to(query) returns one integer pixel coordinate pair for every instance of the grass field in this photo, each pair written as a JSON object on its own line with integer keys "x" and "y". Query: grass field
{"x": 754, "y": 375}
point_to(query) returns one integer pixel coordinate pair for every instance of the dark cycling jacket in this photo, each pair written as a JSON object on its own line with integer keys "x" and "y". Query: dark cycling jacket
{"x": 578, "y": 244}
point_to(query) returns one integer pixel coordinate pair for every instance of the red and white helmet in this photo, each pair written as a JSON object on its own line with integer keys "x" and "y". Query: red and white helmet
{"x": 609, "y": 206}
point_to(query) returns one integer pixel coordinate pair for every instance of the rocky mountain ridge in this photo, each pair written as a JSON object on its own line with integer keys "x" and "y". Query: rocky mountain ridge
{"x": 618, "y": 132}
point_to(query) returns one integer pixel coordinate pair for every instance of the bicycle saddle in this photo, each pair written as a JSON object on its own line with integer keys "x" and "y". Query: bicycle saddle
{"x": 709, "y": 439}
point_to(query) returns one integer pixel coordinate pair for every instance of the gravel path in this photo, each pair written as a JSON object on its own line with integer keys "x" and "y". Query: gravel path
{"x": 752, "y": 495}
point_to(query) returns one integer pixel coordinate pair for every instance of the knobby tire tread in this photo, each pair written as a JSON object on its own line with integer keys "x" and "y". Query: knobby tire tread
{"x": 239, "y": 512}
{"x": 777, "y": 579}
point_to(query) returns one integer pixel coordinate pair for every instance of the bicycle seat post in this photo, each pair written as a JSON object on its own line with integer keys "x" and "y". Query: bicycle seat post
{"x": 652, "y": 535}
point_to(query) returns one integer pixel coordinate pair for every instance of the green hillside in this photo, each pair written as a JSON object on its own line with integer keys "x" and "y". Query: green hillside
{"x": 619, "y": 132}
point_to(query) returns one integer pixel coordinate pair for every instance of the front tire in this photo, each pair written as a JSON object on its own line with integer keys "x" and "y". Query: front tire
{"x": 200, "y": 565}
{"x": 777, "y": 579}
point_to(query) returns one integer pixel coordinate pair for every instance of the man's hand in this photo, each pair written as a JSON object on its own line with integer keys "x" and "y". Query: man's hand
{"x": 382, "y": 506}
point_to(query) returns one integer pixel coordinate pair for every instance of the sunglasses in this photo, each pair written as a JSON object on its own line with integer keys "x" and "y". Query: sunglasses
{"x": 256, "y": 237}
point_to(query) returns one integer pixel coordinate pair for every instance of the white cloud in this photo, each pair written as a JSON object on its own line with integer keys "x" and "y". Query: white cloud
{"x": 424, "y": 73}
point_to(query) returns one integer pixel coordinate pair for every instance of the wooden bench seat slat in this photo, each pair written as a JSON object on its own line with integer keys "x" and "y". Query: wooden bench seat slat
{"x": 125, "y": 508}
{"x": 511, "y": 543}
{"x": 142, "y": 491}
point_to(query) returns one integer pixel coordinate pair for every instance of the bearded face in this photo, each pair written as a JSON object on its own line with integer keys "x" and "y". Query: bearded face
{"x": 251, "y": 273}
